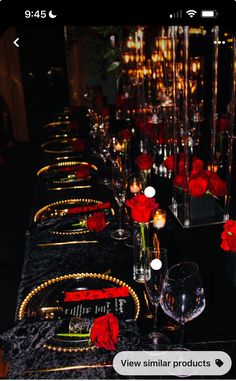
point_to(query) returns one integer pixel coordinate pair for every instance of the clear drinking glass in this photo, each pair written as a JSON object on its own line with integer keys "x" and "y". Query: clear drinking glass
{"x": 155, "y": 269}
{"x": 182, "y": 296}
{"x": 119, "y": 187}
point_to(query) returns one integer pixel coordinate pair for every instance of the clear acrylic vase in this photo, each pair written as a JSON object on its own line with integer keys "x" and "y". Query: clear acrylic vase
{"x": 140, "y": 243}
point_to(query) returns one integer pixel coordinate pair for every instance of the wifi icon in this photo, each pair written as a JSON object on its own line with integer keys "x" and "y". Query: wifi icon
{"x": 191, "y": 13}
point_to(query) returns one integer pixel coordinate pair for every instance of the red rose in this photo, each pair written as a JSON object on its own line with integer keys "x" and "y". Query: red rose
{"x": 150, "y": 130}
{"x": 82, "y": 173}
{"x": 104, "y": 332}
{"x": 96, "y": 222}
{"x": 159, "y": 132}
{"x": 181, "y": 163}
{"x": 197, "y": 166}
{"x": 141, "y": 207}
{"x": 169, "y": 163}
{"x": 179, "y": 181}
{"x": 105, "y": 112}
{"x": 79, "y": 145}
{"x": 68, "y": 168}
{"x": 144, "y": 161}
{"x": 217, "y": 186}
{"x": 228, "y": 236}
{"x": 126, "y": 134}
{"x": 140, "y": 124}
{"x": 222, "y": 124}
{"x": 198, "y": 186}
{"x": 121, "y": 101}
{"x": 98, "y": 100}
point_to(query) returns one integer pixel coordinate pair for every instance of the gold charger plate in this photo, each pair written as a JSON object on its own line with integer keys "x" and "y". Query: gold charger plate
{"x": 60, "y": 209}
{"x": 55, "y": 168}
{"x": 49, "y": 300}
{"x": 60, "y": 145}
{"x": 57, "y": 124}
{"x": 60, "y": 129}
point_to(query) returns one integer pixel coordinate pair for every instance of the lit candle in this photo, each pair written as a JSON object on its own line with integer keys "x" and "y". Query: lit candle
{"x": 194, "y": 68}
{"x": 119, "y": 146}
{"x": 214, "y": 168}
{"x": 135, "y": 186}
{"x": 159, "y": 218}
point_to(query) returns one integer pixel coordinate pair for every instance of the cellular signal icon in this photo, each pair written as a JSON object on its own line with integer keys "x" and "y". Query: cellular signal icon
{"x": 191, "y": 13}
{"x": 177, "y": 15}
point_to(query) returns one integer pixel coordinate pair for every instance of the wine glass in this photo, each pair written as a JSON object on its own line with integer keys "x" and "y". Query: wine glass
{"x": 119, "y": 186}
{"x": 182, "y": 296}
{"x": 104, "y": 146}
{"x": 155, "y": 268}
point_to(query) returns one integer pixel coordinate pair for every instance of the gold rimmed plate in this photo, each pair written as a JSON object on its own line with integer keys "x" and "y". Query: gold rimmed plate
{"x": 68, "y": 172}
{"x": 61, "y": 128}
{"x": 56, "y": 124}
{"x": 65, "y": 145}
{"x": 77, "y": 209}
{"x": 77, "y": 299}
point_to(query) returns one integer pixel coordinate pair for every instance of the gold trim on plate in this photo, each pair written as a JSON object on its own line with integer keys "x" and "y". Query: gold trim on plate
{"x": 38, "y": 289}
{"x": 65, "y": 164}
{"x": 59, "y": 141}
{"x": 57, "y": 124}
{"x": 72, "y": 187}
{"x": 73, "y": 201}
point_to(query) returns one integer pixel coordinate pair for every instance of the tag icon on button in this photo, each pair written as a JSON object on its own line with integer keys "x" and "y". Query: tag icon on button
{"x": 219, "y": 362}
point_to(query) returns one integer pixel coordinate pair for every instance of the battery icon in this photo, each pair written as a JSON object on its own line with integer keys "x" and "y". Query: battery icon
{"x": 209, "y": 13}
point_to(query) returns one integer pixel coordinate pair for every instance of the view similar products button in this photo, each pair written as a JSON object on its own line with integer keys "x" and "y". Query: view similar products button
{"x": 176, "y": 363}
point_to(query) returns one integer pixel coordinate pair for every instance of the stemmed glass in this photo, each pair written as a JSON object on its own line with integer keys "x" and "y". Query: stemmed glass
{"x": 119, "y": 187}
{"x": 155, "y": 268}
{"x": 104, "y": 146}
{"x": 182, "y": 296}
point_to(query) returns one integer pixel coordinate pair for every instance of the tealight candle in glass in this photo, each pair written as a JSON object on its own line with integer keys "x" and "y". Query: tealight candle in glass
{"x": 213, "y": 168}
{"x": 119, "y": 146}
{"x": 159, "y": 219}
{"x": 135, "y": 186}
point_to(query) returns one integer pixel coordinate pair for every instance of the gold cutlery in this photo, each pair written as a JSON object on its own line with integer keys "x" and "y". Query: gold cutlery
{"x": 71, "y": 187}
{"x": 148, "y": 314}
{"x": 64, "y": 243}
{"x": 71, "y": 367}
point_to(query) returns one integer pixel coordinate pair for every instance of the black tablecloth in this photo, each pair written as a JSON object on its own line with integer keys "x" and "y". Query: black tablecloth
{"x": 214, "y": 329}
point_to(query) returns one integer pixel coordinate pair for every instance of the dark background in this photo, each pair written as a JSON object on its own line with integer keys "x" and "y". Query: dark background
{"x": 43, "y": 61}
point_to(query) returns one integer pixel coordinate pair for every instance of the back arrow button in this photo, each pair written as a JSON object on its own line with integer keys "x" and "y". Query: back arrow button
{"x": 15, "y": 42}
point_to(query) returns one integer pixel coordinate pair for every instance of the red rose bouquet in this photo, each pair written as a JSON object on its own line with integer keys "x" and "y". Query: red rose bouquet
{"x": 141, "y": 207}
{"x": 228, "y": 236}
{"x": 105, "y": 331}
{"x": 141, "y": 212}
{"x": 201, "y": 181}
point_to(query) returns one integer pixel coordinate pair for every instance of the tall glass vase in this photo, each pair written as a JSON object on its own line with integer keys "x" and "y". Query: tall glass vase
{"x": 146, "y": 177}
{"x": 140, "y": 244}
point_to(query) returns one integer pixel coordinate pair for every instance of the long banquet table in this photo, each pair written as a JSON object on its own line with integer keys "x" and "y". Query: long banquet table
{"x": 214, "y": 329}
